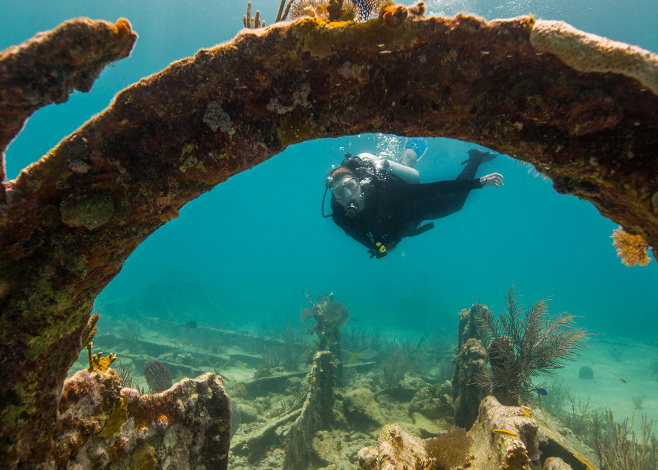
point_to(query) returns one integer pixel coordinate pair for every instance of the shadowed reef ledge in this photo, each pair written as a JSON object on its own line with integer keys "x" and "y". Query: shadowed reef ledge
{"x": 68, "y": 222}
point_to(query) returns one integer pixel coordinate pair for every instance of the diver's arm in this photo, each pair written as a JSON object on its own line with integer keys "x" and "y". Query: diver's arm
{"x": 378, "y": 245}
{"x": 353, "y": 230}
{"x": 455, "y": 186}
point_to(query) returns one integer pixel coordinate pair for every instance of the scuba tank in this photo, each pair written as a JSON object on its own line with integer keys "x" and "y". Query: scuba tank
{"x": 405, "y": 173}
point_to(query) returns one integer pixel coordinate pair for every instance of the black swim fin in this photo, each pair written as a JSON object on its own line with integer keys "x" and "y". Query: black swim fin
{"x": 479, "y": 156}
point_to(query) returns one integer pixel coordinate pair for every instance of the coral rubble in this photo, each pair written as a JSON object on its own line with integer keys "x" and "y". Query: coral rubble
{"x": 69, "y": 222}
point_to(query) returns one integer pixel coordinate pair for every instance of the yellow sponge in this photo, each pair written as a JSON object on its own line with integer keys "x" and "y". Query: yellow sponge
{"x": 591, "y": 53}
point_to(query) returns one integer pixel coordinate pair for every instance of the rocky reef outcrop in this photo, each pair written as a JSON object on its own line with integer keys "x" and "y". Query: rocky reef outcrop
{"x": 102, "y": 425}
{"x": 502, "y": 437}
{"x": 68, "y": 222}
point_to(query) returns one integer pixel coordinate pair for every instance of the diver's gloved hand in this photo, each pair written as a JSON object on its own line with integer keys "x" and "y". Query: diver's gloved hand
{"x": 379, "y": 253}
{"x": 492, "y": 179}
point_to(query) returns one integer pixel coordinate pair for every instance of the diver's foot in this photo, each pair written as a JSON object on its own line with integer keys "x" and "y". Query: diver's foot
{"x": 479, "y": 156}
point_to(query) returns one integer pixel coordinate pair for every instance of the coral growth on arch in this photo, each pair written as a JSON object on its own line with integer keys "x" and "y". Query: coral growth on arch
{"x": 68, "y": 222}
{"x": 632, "y": 249}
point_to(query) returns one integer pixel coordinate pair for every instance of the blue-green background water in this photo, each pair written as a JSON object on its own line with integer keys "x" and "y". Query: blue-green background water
{"x": 250, "y": 245}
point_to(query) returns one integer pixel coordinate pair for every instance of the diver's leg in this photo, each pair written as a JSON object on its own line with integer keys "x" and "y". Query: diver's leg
{"x": 442, "y": 205}
{"x": 475, "y": 159}
{"x": 435, "y": 202}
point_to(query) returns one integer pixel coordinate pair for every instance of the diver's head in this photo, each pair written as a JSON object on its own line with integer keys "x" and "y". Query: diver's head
{"x": 346, "y": 190}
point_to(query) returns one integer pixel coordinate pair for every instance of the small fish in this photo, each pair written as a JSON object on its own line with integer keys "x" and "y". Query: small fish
{"x": 622, "y": 380}
{"x": 506, "y": 432}
{"x": 526, "y": 411}
{"x": 539, "y": 391}
{"x": 364, "y": 355}
{"x": 191, "y": 324}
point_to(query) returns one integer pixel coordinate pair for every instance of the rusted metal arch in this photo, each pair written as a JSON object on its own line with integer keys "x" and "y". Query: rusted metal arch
{"x": 70, "y": 221}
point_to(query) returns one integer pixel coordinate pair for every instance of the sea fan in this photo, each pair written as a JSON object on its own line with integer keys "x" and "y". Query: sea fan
{"x": 632, "y": 249}
{"x": 521, "y": 345}
{"x": 157, "y": 375}
{"x": 367, "y": 8}
{"x": 336, "y": 10}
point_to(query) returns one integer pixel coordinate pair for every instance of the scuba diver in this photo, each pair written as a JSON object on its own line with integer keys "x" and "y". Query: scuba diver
{"x": 378, "y": 201}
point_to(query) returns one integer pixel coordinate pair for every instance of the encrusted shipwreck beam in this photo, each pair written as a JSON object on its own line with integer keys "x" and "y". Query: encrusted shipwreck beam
{"x": 70, "y": 221}
{"x": 47, "y": 68}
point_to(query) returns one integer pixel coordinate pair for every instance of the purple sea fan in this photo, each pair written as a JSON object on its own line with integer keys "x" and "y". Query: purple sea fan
{"x": 157, "y": 375}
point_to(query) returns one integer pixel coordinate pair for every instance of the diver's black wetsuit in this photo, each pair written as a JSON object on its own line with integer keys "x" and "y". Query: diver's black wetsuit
{"x": 394, "y": 209}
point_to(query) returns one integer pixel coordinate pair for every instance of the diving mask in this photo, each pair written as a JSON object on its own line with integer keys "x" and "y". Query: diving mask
{"x": 345, "y": 189}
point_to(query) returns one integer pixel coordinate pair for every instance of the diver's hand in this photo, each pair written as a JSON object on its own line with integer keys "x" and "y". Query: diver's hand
{"x": 377, "y": 254}
{"x": 493, "y": 179}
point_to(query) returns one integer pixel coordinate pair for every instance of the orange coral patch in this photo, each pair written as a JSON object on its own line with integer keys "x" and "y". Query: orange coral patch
{"x": 632, "y": 249}
{"x": 394, "y": 15}
{"x": 123, "y": 28}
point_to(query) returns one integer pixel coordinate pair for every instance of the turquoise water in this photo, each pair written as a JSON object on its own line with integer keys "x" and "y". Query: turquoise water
{"x": 249, "y": 246}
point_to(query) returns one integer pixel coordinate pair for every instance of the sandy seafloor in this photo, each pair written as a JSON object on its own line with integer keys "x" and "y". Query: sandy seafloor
{"x": 622, "y": 372}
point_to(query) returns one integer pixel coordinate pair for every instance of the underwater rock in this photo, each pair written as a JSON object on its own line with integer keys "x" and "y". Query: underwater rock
{"x": 503, "y": 437}
{"x": 508, "y": 430}
{"x": 405, "y": 388}
{"x": 435, "y": 402}
{"x": 362, "y": 410}
{"x": 163, "y": 142}
{"x": 395, "y": 450}
{"x": 556, "y": 463}
{"x": 585, "y": 372}
{"x": 425, "y": 427}
{"x": 557, "y": 440}
{"x": 506, "y": 437}
{"x": 101, "y": 425}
